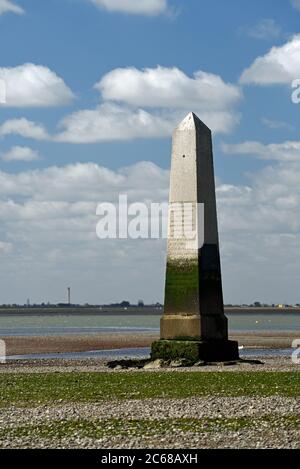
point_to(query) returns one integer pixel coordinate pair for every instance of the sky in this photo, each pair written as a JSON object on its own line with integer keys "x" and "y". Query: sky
{"x": 93, "y": 90}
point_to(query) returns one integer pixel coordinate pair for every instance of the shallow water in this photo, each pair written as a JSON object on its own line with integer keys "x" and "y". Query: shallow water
{"x": 60, "y": 324}
{"x": 139, "y": 353}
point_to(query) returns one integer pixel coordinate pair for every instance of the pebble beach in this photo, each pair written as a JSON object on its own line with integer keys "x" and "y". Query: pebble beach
{"x": 164, "y": 423}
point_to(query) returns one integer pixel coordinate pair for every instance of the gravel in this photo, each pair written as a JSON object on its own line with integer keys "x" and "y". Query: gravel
{"x": 156, "y": 409}
{"x": 263, "y": 434}
{"x": 93, "y": 365}
{"x": 269, "y": 427}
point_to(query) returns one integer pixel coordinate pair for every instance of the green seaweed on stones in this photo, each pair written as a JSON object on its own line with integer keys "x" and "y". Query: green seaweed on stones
{"x": 182, "y": 286}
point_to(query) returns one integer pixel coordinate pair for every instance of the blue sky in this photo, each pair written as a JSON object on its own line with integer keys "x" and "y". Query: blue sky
{"x": 72, "y": 45}
{"x": 81, "y": 44}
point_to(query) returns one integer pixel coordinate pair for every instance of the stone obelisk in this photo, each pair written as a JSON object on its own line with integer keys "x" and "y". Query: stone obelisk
{"x": 194, "y": 325}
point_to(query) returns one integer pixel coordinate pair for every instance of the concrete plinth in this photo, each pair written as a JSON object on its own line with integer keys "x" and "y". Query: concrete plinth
{"x": 191, "y": 327}
{"x": 195, "y": 350}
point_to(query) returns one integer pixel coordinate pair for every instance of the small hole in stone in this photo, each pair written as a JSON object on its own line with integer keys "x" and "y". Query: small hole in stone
{"x": 183, "y": 156}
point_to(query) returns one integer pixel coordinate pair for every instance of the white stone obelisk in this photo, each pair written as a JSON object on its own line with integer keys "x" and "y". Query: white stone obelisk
{"x": 194, "y": 310}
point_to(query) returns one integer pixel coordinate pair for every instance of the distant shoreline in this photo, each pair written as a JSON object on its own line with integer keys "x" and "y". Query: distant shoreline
{"x": 146, "y": 310}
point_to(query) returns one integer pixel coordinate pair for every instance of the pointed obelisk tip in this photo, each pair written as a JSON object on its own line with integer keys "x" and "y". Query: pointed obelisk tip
{"x": 191, "y": 121}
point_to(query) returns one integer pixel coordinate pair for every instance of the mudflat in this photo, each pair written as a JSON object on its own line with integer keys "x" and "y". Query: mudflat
{"x": 23, "y": 345}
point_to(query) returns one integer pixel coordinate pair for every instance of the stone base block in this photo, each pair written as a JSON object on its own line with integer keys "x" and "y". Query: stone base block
{"x": 185, "y": 326}
{"x": 194, "y": 350}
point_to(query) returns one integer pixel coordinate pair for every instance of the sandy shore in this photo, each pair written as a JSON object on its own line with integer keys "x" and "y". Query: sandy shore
{"x": 75, "y": 343}
{"x": 81, "y": 343}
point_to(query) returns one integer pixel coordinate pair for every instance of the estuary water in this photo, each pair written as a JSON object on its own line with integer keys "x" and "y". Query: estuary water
{"x": 43, "y": 323}
{"x": 51, "y": 324}
{"x": 246, "y": 353}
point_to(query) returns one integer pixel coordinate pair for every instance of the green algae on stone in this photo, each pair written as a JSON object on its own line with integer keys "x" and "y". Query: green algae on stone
{"x": 182, "y": 287}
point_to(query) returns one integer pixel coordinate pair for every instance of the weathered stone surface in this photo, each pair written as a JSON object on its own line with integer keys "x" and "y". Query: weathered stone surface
{"x": 179, "y": 363}
{"x": 156, "y": 363}
{"x": 193, "y": 289}
{"x": 194, "y": 321}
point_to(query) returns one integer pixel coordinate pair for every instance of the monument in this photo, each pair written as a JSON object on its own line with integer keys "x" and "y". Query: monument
{"x": 194, "y": 326}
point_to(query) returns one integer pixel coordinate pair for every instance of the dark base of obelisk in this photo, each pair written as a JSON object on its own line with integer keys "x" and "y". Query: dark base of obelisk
{"x": 195, "y": 350}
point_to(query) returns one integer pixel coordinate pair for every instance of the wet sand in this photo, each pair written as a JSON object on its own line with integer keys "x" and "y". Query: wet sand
{"x": 76, "y": 343}
{"x": 82, "y": 343}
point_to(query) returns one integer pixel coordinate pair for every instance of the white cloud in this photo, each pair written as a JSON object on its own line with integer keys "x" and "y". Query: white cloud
{"x": 48, "y": 217}
{"x": 295, "y": 4}
{"x": 48, "y": 231}
{"x": 281, "y": 65}
{"x": 260, "y": 226}
{"x": 17, "y": 153}
{"x": 265, "y": 29}
{"x": 276, "y": 124}
{"x": 5, "y": 248}
{"x": 32, "y": 85}
{"x": 222, "y": 122}
{"x": 24, "y": 128}
{"x": 8, "y": 6}
{"x": 112, "y": 122}
{"x": 135, "y": 7}
{"x": 286, "y": 151}
{"x": 168, "y": 88}
{"x": 170, "y": 95}
{"x": 269, "y": 205}
{"x": 166, "y": 94}
{"x": 84, "y": 182}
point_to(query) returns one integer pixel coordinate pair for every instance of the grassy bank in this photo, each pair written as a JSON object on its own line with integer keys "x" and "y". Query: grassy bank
{"x": 35, "y": 389}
